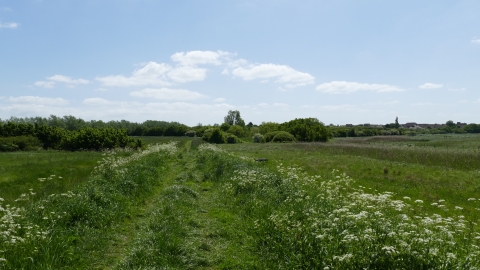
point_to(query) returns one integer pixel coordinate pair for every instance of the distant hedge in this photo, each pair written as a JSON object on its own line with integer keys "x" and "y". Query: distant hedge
{"x": 51, "y": 137}
{"x": 19, "y": 143}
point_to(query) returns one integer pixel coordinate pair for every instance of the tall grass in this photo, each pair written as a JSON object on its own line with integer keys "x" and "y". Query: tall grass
{"x": 67, "y": 229}
{"x": 309, "y": 222}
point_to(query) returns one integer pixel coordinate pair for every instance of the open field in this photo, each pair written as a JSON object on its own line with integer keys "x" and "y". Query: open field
{"x": 190, "y": 205}
{"x": 449, "y": 171}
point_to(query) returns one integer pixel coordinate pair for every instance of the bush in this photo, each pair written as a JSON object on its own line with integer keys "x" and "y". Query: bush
{"x": 269, "y": 136}
{"x": 283, "y": 136}
{"x": 190, "y": 133}
{"x": 214, "y": 135}
{"x": 233, "y": 139}
{"x": 258, "y": 138}
{"x": 236, "y": 130}
{"x": 20, "y": 143}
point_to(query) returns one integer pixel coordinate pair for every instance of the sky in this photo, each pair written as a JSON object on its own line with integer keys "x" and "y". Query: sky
{"x": 191, "y": 61}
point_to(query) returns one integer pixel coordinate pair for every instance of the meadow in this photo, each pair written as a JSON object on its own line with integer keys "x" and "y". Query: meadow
{"x": 352, "y": 203}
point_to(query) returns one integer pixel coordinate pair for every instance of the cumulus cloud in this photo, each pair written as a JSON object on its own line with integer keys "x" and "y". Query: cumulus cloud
{"x": 60, "y": 79}
{"x": 187, "y": 74}
{"x": 156, "y": 74}
{"x": 67, "y": 80}
{"x": 219, "y": 100}
{"x": 430, "y": 86}
{"x": 45, "y": 84}
{"x": 10, "y": 25}
{"x": 193, "y": 58}
{"x": 151, "y": 73}
{"x": 167, "y": 94}
{"x": 97, "y": 101}
{"x": 35, "y": 100}
{"x": 476, "y": 40}
{"x": 343, "y": 87}
{"x": 283, "y": 74}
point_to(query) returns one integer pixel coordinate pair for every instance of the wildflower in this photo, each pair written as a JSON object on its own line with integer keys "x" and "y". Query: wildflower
{"x": 406, "y": 198}
{"x": 471, "y": 199}
{"x": 458, "y": 208}
{"x": 418, "y": 201}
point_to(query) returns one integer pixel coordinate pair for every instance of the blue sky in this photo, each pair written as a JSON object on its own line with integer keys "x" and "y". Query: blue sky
{"x": 349, "y": 61}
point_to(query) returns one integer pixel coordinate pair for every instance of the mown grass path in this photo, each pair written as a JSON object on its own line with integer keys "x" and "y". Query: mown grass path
{"x": 183, "y": 224}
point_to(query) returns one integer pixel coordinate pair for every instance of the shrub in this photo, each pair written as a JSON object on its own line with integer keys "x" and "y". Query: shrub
{"x": 20, "y": 143}
{"x": 236, "y": 130}
{"x": 233, "y": 139}
{"x": 258, "y": 138}
{"x": 214, "y": 135}
{"x": 283, "y": 136}
{"x": 190, "y": 133}
{"x": 269, "y": 136}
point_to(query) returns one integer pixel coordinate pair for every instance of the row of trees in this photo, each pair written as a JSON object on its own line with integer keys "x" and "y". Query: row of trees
{"x": 26, "y": 136}
{"x": 16, "y": 125}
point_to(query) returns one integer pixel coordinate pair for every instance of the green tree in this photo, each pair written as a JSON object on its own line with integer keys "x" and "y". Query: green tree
{"x": 397, "y": 125}
{"x": 450, "y": 123}
{"x": 234, "y": 118}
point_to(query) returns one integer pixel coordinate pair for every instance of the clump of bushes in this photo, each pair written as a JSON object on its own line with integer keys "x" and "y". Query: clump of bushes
{"x": 190, "y": 133}
{"x": 233, "y": 139}
{"x": 214, "y": 135}
{"x": 258, "y": 138}
{"x": 19, "y": 143}
{"x": 283, "y": 136}
{"x": 279, "y": 136}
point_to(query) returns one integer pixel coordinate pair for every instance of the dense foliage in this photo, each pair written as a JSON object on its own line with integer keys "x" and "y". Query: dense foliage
{"x": 25, "y": 126}
{"x": 307, "y": 130}
{"x": 27, "y": 137}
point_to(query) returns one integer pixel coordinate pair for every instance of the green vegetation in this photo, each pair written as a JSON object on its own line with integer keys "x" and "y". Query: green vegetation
{"x": 382, "y": 202}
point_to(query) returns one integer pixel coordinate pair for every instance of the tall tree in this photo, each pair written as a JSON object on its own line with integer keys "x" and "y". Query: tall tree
{"x": 234, "y": 118}
{"x": 397, "y": 125}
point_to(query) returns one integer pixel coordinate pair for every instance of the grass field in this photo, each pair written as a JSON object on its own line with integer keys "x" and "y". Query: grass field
{"x": 353, "y": 203}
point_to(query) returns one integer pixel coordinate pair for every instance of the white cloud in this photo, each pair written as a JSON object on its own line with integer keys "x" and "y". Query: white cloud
{"x": 155, "y": 74}
{"x": 219, "y": 100}
{"x": 45, "y": 84}
{"x": 280, "y": 105}
{"x": 167, "y": 94}
{"x": 476, "y": 40}
{"x": 67, "y": 80}
{"x": 60, "y": 79}
{"x": 11, "y": 25}
{"x": 187, "y": 74}
{"x": 193, "y": 58}
{"x": 34, "y": 100}
{"x": 97, "y": 101}
{"x": 430, "y": 86}
{"x": 283, "y": 73}
{"x": 343, "y": 87}
{"x": 151, "y": 73}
